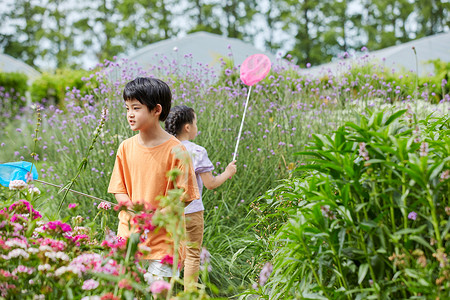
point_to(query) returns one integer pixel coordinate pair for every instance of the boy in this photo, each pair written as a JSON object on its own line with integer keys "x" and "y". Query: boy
{"x": 142, "y": 162}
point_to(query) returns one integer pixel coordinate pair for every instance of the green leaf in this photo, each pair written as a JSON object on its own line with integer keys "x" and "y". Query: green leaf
{"x": 313, "y": 296}
{"x": 411, "y": 230}
{"x": 362, "y": 272}
{"x": 412, "y": 273}
{"x": 395, "y": 116}
{"x": 368, "y": 225}
{"x": 421, "y": 241}
{"x": 235, "y": 255}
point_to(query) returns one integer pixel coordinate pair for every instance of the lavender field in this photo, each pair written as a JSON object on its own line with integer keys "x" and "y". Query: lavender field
{"x": 246, "y": 219}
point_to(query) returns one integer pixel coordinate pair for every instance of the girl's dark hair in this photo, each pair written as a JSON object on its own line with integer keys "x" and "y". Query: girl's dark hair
{"x": 150, "y": 92}
{"x": 179, "y": 116}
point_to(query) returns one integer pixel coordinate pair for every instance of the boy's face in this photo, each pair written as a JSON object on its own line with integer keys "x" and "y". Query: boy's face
{"x": 138, "y": 115}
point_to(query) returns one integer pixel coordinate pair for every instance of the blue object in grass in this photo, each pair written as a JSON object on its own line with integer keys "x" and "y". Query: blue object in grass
{"x": 16, "y": 171}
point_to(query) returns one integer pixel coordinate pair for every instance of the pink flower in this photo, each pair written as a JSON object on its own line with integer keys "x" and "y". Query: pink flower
{"x": 24, "y": 207}
{"x": 90, "y": 284}
{"x": 23, "y": 269}
{"x": 125, "y": 284}
{"x": 72, "y": 205}
{"x": 104, "y": 205}
{"x": 168, "y": 259}
{"x": 57, "y": 226}
{"x": 159, "y": 287}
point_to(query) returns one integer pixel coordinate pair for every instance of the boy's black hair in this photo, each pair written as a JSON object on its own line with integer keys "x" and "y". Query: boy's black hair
{"x": 150, "y": 92}
{"x": 179, "y": 116}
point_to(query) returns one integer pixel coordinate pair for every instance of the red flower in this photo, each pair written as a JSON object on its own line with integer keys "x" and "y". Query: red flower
{"x": 109, "y": 296}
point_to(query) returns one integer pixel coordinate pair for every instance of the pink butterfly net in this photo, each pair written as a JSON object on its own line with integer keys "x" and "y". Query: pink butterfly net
{"x": 255, "y": 68}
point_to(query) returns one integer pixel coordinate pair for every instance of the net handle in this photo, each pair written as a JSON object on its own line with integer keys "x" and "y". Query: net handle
{"x": 242, "y": 124}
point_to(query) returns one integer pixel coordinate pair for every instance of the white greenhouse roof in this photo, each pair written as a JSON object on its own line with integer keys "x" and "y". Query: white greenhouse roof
{"x": 9, "y": 64}
{"x": 205, "y": 48}
{"x": 400, "y": 57}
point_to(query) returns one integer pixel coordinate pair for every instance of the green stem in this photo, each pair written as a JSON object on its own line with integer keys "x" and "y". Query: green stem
{"x": 342, "y": 279}
{"x": 84, "y": 162}
{"x": 312, "y": 267}
{"x": 362, "y": 243}
{"x": 435, "y": 219}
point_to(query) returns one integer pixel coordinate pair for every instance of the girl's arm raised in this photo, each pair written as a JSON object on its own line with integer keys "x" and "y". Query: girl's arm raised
{"x": 212, "y": 182}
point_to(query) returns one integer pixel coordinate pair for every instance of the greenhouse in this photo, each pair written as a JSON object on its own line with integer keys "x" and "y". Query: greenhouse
{"x": 9, "y": 64}
{"x": 401, "y": 57}
{"x": 205, "y": 48}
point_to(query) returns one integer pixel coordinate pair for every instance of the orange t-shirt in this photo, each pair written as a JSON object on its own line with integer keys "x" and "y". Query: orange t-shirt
{"x": 140, "y": 172}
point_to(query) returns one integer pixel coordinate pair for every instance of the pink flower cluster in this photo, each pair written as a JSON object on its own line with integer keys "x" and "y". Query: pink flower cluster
{"x": 94, "y": 262}
{"x": 143, "y": 221}
{"x": 104, "y": 205}
{"x": 72, "y": 205}
{"x": 24, "y": 207}
{"x": 55, "y": 244}
{"x": 159, "y": 287}
{"x": 90, "y": 284}
{"x": 115, "y": 242}
{"x": 23, "y": 269}
{"x": 57, "y": 227}
{"x": 168, "y": 259}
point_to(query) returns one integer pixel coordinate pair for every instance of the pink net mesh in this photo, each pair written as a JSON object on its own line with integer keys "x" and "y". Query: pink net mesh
{"x": 255, "y": 68}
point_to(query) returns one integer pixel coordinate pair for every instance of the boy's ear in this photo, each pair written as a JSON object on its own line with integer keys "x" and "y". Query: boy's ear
{"x": 187, "y": 127}
{"x": 158, "y": 109}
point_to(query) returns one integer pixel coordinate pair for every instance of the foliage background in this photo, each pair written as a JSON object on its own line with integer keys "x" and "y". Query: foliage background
{"x": 61, "y": 33}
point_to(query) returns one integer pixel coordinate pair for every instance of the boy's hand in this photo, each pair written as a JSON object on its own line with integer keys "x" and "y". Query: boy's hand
{"x": 231, "y": 168}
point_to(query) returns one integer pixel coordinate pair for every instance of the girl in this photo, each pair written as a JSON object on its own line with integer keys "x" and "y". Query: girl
{"x": 182, "y": 123}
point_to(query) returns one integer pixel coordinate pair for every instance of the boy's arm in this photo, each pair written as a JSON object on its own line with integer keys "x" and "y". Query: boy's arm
{"x": 123, "y": 198}
{"x": 212, "y": 182}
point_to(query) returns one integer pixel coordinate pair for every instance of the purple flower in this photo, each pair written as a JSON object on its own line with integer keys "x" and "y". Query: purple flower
{"x": 205, "y": 259}
{"x": 412, "y": 215}
{"x": 424, "y": 149}
{"x": 265, "y": 273}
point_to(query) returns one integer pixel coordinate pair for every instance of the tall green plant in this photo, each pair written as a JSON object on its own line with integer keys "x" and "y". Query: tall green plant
{"x": 372, "y": 219}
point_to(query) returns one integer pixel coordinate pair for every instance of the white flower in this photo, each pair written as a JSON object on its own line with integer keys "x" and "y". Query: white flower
{"x": 33, "y": 250}
{"x": 43, "y": 248}
{"x": 17, "y": 253}
{"x": 17, "y": 185}
{"x": 45, "y": 267}
{"x": 57, "y": 255}
{"x": 16, "y": 243}
{"x": 34, "y": 191}
{"x": 61, "y": 270}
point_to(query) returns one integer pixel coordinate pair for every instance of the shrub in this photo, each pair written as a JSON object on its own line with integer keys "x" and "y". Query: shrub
{"x": 371, "y": 217}
{"x": 13, "y": 88}
{"x": 52, "y": 88}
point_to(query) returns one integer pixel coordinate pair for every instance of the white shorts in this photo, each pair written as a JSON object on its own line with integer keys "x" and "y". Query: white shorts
{"x": 156, "y": 268}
